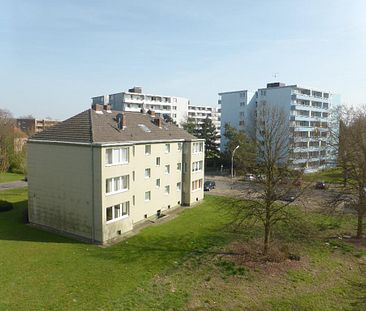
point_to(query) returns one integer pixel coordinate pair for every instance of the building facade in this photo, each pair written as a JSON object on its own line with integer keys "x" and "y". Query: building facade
{"x": 134, "y": 100}
{"x": 200, "y": 113}
{"x": 98, "y": 174}
{"x": 31, "y": 126}
{"x": 309, "y": 114}
{"x": 236, "y": 110}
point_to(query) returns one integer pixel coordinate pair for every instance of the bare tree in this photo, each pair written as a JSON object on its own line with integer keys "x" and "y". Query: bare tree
{"x": 275, "y": 178}
{"x": 352, "y": 156}
{"x": 6, "y": 139}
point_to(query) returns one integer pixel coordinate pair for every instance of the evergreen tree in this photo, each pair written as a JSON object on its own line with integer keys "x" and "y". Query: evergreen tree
{"x": 190, "y": 126}
{"x": 208, "y": 132}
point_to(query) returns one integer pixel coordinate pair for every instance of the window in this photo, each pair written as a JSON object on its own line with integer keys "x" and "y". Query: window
{"x": 116, "y": 156}
{"x": 109, "y": 213}
{"x": 197, "y": 166}
{"x": 157, "y": 182}
{"x": 118, "y": 211}
{"x": 197, "y": 184}
{"x": 180, "y": 145}
{"x": 179, "y": 166}
{"x": 197, "y": 147}
{"x": 167, "y": 169}
{"x": 117, "y": 184}
{"x": 184, "y": 167}
{"x": 179, "y": 186}
{"x": 158, "y": 161}
{"x": 147, "y": 149}
{"x": 167, "y": 189}
{"x": 167, "y": 148}
{"x": 147, "y": 195}
{"x": 147, "y": 172}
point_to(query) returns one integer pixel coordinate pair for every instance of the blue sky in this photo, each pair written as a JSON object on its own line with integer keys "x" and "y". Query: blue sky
{"x": 56, "y": 55}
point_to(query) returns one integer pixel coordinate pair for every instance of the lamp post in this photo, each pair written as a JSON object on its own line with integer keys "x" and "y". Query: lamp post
{"x": 232, "y": 161}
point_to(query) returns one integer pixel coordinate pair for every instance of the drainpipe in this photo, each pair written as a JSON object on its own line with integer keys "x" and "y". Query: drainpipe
{"x": 93, "y": 203}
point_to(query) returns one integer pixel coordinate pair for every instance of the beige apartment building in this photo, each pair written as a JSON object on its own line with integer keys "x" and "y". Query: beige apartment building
{"x": 99, "y": 173}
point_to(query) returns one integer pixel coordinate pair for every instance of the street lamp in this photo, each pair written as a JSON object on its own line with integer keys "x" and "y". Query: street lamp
{"x": 232, "y": 161}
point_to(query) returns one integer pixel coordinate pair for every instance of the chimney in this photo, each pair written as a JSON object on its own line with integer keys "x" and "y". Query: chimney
{"x": 121, "y": 120}
{"x": 151, "y": 113}
{"x": 158, "y": 122}
{"x": 97, "y": 107}
{"x": 107, "y": 107}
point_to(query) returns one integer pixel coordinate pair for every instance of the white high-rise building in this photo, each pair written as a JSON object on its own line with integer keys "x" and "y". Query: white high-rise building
{"x": 308, "y": 110}
{"x": 236, "y": 107}
{"x": 135, "y": 100}
{"x": 200, "y": 113}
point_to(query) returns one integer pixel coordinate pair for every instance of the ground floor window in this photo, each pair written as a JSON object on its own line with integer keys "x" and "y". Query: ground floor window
{"x": 197, "y": 184}
{"x": 118, "y": 211}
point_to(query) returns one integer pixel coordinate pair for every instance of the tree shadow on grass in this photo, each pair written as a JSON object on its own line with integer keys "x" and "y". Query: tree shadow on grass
{"x": 13, "y": 226}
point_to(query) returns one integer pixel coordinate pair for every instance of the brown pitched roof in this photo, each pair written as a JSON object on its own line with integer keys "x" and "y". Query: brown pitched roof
{"x": 91, "y": 127}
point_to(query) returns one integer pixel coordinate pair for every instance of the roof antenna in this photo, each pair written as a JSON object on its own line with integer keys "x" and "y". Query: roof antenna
{"x": 275, "y": 75}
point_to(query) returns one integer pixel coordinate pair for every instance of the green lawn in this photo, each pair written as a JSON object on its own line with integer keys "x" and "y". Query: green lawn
{"x": 172, "y": 266}
{"x": 9, "y": 177}
{"x": 330, "y": 176}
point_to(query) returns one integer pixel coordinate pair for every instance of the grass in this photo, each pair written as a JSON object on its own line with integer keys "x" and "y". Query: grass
{"x": 10, "y": 177}
{"x": 330, "y": 176}
{"x": 172, "y": 266}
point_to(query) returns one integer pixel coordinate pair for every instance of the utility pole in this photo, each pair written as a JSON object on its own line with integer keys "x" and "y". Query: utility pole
{"x": 232, "y": 161}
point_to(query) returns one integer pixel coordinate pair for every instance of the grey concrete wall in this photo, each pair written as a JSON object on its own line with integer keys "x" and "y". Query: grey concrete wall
{"x": 60, "y": 189}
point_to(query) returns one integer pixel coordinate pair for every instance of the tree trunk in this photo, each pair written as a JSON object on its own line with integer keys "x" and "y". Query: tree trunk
{"x": 267, "y": 231}
{"x": 359, "y": 224}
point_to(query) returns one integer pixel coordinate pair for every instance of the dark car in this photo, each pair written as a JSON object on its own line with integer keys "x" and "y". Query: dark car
{"x": 320, "y": 185}
{"x": 289, "y": 196}
{"x": 209, "y": 185}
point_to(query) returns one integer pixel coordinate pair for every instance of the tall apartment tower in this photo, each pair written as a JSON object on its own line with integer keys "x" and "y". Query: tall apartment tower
{"x": 236, "y": 110}
{"x": 309, "y": 112}
{"x": 200, "y": 113}
{"x": 134, "y": 100}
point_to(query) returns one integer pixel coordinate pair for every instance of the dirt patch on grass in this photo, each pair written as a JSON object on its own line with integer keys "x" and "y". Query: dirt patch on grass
{"x": 250, "y": 254}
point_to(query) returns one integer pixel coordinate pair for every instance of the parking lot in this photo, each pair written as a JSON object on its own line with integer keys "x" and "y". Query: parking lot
{"x": 236, "y": 187}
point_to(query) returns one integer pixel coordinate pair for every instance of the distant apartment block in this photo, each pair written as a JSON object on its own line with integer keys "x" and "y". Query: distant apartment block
{"x": 236, "y": 110}
{"x": 134, "y": 100}
{"x": 200, "y": 113}
{"x": 309, "y": 113}
{"x": 98, "y": 174}
{"x": 31, "y": 126}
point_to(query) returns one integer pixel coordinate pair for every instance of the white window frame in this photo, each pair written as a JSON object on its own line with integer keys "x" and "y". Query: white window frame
{"x": 167, "y": 148}
{"x": 179, "y": 166}
{"x": 180, "y": 146}
{"x": 147, "y": 173}
{"x": 149, "y": 199}
{"x": 197, "y": 185}
{"x": 117, "y": 156}
{"x": 167, "y": 190}
{"x": 119, "y": 180}
{"x": 197, "y": 166}
{"x": 167, "y": 169}
{"x": 157, "y": 161}
{"x": 120, "y": 206}
{"x": 147, "y": 149}
{"x": 157, "y": 183}
{"x": 179, "y": 186}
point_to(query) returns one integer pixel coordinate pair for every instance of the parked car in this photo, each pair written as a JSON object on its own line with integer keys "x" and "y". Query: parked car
{"x": 321, "y": 185}
{"x": 289, "y": 196}
{"x": 209, "y": 185}
{"x": 249, "y": 177}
